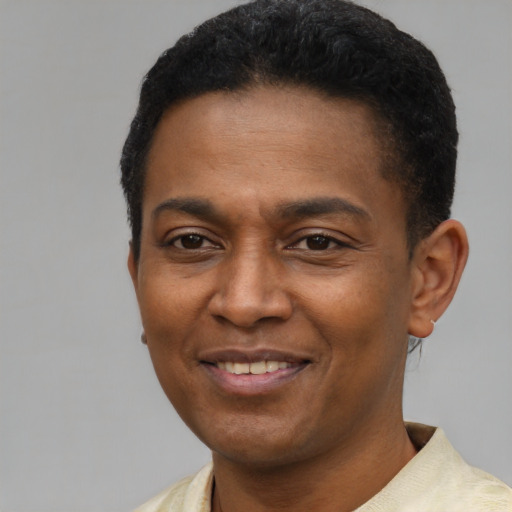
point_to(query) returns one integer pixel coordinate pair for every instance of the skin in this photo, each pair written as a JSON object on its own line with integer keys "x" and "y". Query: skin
{"x": 267, "y": 226}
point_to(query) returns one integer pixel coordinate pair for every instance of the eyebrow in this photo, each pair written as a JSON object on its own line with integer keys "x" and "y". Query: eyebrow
{"x": 313, "y": 207}
{"x": 321, "y": 206}
{"x": 193, "y": 206}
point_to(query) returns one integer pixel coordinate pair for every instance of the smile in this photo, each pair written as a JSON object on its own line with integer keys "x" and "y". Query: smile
{"x": 252, "y": 372}
{"x": 256, "y": 368}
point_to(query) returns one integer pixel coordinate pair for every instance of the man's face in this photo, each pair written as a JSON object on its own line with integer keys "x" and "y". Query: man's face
{"x": 273, "y": 281}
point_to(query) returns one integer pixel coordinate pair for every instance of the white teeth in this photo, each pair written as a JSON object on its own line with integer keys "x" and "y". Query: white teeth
{"x": 240, "y": 368}
{"x": 256, "y": 368}
{"x": 272, "y": 366}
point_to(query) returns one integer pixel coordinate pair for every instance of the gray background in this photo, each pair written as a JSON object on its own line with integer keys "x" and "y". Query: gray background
{"x": 84, "y": 424}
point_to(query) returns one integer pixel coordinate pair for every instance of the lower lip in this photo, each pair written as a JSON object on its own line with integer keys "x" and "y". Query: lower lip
{"x": 248, "y": 384}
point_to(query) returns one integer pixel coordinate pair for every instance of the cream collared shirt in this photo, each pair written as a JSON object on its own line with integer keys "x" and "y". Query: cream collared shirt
{"x": 437, "y": 479}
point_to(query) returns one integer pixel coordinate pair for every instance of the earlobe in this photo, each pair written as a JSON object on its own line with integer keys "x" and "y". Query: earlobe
{"x": 438, "y": 264}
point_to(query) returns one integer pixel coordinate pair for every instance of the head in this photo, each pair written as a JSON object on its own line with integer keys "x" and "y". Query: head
{"x": 289, "y": 174}
{"x": 335, "y": 48}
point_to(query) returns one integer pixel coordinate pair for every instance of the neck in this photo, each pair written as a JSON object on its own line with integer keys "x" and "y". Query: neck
{"x": 339, "y": 481}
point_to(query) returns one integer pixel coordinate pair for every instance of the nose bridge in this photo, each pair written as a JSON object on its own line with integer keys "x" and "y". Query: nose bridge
{"x": 251, "y": 287}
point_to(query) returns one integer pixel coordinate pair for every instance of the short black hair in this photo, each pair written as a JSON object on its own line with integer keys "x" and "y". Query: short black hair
{"x": 333, "y": 47}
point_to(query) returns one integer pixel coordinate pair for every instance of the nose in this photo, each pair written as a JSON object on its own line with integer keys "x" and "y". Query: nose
{"x": 250, "y": 289}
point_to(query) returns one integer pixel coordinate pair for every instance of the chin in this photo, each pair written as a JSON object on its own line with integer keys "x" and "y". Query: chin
{"x": 257, "y": 445}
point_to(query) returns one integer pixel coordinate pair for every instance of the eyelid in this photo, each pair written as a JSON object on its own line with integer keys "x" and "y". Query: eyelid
{"x": 177, "y": 233}
{"x": 206, "y": 242}
{"x": 336, "y": 240}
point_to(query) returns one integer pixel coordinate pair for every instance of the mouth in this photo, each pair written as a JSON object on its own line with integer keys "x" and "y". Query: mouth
{"x": 256, "y": 368}
{"x": 252, "y": 373}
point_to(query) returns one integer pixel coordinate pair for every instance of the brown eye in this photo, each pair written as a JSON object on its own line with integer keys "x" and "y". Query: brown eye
{"x": 190, "y": 241}
{"x": 317, "y": 243}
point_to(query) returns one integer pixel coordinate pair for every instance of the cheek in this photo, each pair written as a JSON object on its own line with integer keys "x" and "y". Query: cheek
{"x": 169, "y": 304}
{"x": 167, "y": 329}
{"x": 169, "y": 311}
{"x": 358, "y": 311}
{"x": 364, "y": 326}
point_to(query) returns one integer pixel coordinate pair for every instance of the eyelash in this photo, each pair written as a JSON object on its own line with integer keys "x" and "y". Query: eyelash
{"x": 329, "y": 239}
{"x": 202, "y": 239}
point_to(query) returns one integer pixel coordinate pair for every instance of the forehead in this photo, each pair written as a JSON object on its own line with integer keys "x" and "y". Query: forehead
{"x": 267, "y": 144}
{"x": 267, "y": 110}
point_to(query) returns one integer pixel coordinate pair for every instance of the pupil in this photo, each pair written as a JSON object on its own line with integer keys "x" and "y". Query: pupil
{"x": 317, "y": 242}
{"x": 192, "y": 241}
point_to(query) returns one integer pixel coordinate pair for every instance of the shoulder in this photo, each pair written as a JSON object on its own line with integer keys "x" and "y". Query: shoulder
{"x": 438, "y": 479}
{"x": 474, "y": 489}
{"x": 191, "y": 494}
{"x": 463, "y": 486}
{"x": 486, "y": 492}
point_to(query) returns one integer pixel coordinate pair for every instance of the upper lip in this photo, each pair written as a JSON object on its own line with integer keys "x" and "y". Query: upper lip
{"x": 237, "y": 355}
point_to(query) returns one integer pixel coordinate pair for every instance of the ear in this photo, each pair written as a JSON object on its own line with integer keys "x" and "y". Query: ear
{"x": 133, "y": 268}
{"x": 438, "y": 262}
